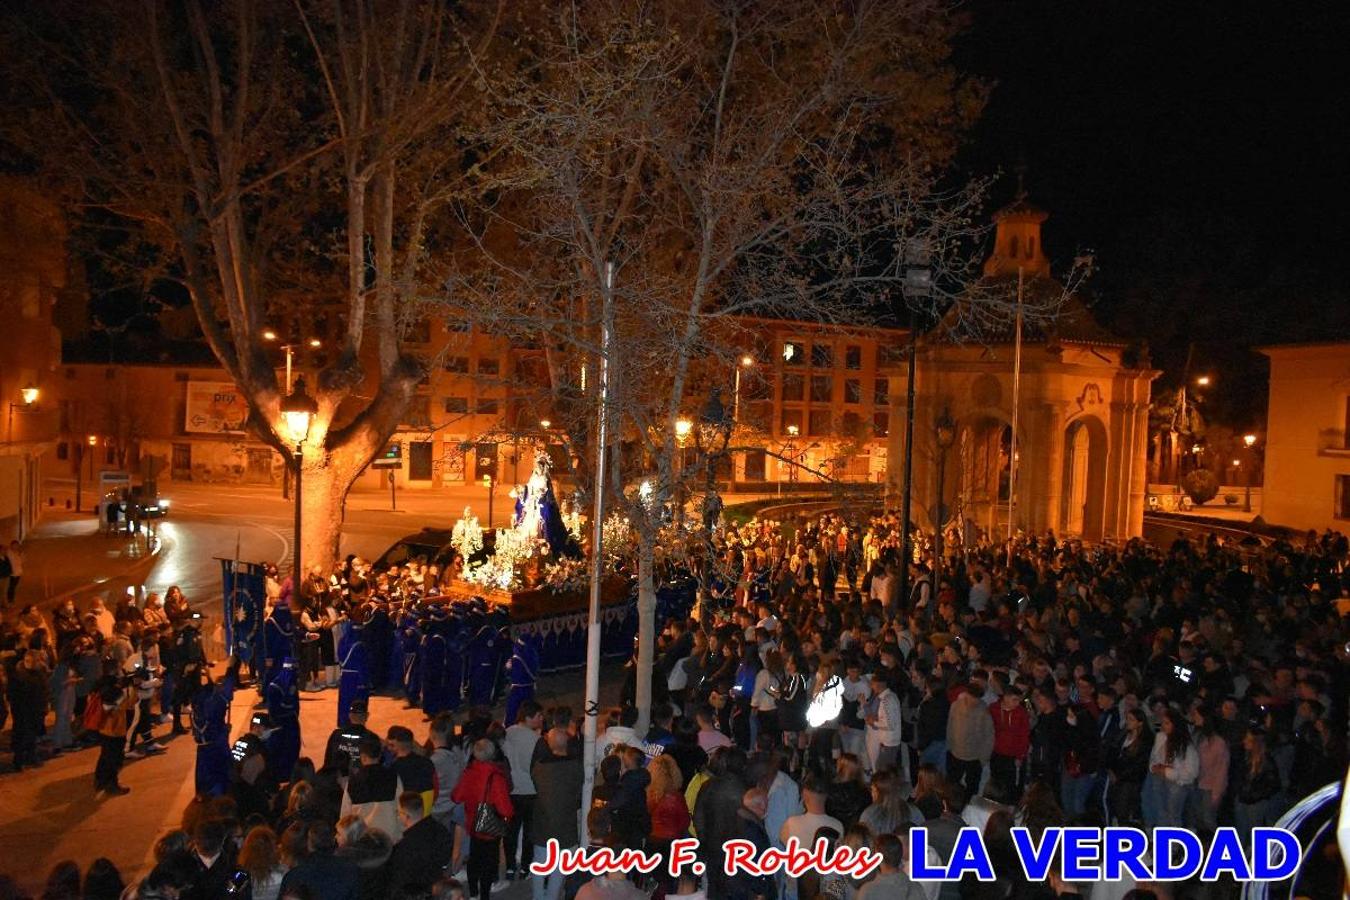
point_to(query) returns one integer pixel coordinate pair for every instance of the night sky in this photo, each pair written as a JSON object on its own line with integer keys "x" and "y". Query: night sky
{"x": 1199, "y": 149}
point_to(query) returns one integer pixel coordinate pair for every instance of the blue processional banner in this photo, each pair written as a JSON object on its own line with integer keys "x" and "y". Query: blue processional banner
{"x": 244, "y": 597}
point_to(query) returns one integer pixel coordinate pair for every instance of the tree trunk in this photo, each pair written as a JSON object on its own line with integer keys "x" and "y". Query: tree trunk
{"x": 646, "y": 629}
{"x": 328, "y": 475}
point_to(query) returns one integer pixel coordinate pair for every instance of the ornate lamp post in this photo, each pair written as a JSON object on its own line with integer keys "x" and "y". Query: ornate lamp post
{"x": 945, "y": 436}
{"x": 298, "y": 410}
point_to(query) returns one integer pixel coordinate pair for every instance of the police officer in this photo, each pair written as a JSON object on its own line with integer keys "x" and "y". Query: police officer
{"x": 188, "y": 657}
{"x": 253, "y": 783}
{"x": 354, "y": 682}
{"x": 211, "y": 726}
{"x": 343, "y": 753}
{"x": 283, "y": 706}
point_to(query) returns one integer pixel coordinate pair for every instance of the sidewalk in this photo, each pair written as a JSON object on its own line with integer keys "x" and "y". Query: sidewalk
{"x": 67, "y": 554}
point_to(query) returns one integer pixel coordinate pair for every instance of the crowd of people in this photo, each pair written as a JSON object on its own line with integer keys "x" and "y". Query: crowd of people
{"x": 1039, "y": 683}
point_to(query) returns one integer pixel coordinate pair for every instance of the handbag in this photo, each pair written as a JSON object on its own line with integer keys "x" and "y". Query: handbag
{"x": 486, "y": 820}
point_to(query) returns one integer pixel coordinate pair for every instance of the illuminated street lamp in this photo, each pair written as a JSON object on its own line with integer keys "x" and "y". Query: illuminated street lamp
{"x": 682, "y": 429}
{"x": 545, "y": 424}
{"x": 745, "y": 362}
{"x": 298, "y": 411}
{"x": 269, "y": 335}
{"x": 29, "y": 394}
{"x": 1249, "y": 440}
{"x": 1203, "y": 381}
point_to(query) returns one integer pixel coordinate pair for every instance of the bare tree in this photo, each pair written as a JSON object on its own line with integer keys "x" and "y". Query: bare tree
{"x": 670, "y": 171}
{"x": 273, "y": 159}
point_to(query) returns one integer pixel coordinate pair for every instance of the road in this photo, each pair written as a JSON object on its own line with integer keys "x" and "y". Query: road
{"x": 210, "y": 521}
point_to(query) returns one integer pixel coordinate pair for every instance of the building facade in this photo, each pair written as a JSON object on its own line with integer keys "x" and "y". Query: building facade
{"x": 33, "y": 258}
{"x": 1307, "y": 452}
{"x": 1081, "y": 412}
{"x": 810, "y": 405}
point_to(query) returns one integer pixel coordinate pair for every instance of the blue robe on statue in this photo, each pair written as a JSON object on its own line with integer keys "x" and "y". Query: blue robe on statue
{"x": 355, "y": 679}
{"x": 211, "y": 732}
{"x": 278, "y": 635}
{"x": 523, "y": 670}
{"x": 283, "y": 705}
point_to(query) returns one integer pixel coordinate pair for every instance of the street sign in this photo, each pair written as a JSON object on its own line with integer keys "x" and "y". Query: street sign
{"x": 391, "y": 458}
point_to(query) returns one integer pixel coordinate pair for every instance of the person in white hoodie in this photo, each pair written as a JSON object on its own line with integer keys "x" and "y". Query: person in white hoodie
{"x": 1173, "y": 767}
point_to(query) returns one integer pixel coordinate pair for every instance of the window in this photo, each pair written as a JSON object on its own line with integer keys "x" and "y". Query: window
{"x": 457, "y": 405}
{"x": 893, "y": 354}
{"x": 822, "y": 356}
{"x": 853, "y": 357}
{"x": 793, "y": 388}
{"x": 794, "y": 353}
{"x": 1013, "y": 247}
{"x": 819, "y": 425}
{"x": 755, "y": 465}
{"x": 881, "y": 392}
{"x": 489, "y": 365}
{"x": 1031, "y": 247}
{"x": 419, "y": 460}
{"x": 419, "y": 411}
{"x": 881, "y": 424}
{"x": 63, "y": 450}
{"x": 792, "y": 418}
{"x": 822, "y": 389}
{"x": 852, "y": 390}
{"x": 457, "y": 364}
{"x": 1343, "y": 496}
{"x": 487, "y": 406}
{"x": 419, "y": 332}
{"x": 850, "y": 426}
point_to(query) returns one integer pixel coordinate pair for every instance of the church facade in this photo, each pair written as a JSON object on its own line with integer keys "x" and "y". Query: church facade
{"x": 1081, "y": 412}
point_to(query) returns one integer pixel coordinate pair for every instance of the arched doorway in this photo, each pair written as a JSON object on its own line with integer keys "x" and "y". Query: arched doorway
{"x": 984, "y": 448}
{"x": 1084, "y": 479}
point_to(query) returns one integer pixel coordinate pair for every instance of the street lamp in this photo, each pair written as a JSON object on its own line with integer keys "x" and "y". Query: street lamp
{"x": 745, "y": 362}
{"x": 682, "y": 429}
{"x": 270, "y": 335}
{"x": 1203, "y": 381}
{"x": 545, "y": 424}
{"x": 298, "y": 410}
{"x": 945, "y": 436}
{"x": 1248, "y": 440}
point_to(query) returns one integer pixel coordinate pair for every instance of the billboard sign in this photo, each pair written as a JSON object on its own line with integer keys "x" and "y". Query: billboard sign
{"x": 215, "y": 407}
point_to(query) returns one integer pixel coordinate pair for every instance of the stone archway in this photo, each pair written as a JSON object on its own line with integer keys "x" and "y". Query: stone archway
{"x": 982, "y": 451}
{"x": 1084, "y": 479}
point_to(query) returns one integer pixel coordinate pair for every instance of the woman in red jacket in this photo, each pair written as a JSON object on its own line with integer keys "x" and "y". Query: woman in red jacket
{"x": 668, "y": 808}
{"x": 483, "y": 781}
